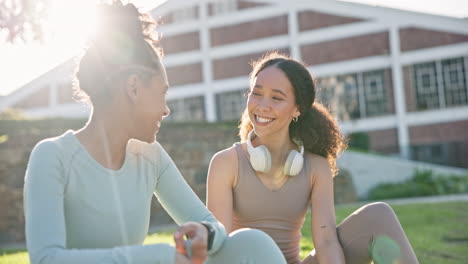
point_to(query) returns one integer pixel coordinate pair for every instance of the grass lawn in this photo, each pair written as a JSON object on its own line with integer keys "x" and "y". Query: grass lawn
{"x": 438, "y": 233}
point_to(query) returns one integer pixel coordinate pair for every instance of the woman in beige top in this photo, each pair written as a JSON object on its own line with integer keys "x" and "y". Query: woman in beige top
{"x": 286, "y": 161}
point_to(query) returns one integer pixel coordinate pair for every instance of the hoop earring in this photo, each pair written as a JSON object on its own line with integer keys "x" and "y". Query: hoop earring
{"x": 295, "y": 119}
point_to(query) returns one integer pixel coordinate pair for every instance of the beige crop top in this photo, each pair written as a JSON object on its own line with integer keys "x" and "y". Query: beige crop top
{"x": 279, "y": 213}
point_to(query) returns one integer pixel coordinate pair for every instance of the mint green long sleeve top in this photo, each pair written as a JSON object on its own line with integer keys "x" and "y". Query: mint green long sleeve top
{"x": 78, "y": 211}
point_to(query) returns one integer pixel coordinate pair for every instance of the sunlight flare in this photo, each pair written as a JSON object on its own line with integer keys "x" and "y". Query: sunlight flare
{"x": 71, "y": 20}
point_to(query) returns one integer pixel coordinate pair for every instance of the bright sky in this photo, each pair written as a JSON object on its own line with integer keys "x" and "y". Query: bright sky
{"x": 19, "y": 64}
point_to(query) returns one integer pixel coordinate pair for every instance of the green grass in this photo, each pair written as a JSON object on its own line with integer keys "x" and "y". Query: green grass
{"x": 13, "y": 256}
{"x": 438, "y": 233}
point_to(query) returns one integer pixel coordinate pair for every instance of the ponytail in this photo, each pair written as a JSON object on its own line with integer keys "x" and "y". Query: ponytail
{"x": 125, "y": 42}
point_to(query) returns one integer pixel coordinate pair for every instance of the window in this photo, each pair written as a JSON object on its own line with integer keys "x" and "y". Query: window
{"x": 176, "y": 107}
{"x": 454, "y": 82}
{"x": 326, "y": 93}
{"x": 427, "y": 94}
{"x": 434, "y": 153}
{"x": 354, "y": 96}
{"x": 440, "y": 84}
{"x": 350, "y": 98}
{"x": 185, "y": 14}
{"x": 340, "y": 94}
{"x": 374, "y": 90}
{"x": 187, "y": 109}
{"x": 230, "y": 105}
{"x": 222, "y": 7}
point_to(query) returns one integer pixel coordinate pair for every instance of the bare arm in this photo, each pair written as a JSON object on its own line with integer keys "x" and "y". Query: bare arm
{"x": 221, "y": 178}
{"x": 327, "y": 246}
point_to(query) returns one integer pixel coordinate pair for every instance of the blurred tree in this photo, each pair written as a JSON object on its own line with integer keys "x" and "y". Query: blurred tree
{"x": 22, "y": 19}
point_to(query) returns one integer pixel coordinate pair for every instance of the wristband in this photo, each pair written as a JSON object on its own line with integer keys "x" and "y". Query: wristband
{"x": 211, "y": 233}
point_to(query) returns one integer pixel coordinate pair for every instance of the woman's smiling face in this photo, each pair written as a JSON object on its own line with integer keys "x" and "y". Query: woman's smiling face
{"x": 151, "y": 108}
{"x": 271, "y": 102}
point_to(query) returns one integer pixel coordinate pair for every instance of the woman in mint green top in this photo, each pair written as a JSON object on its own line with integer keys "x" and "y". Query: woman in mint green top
{"x": 87, "y": 193}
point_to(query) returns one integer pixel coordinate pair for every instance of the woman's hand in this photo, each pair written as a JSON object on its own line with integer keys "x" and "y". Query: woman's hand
{"x": 198, "y": 235}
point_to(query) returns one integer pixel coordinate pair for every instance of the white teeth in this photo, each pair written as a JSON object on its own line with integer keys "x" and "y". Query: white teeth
{"x": 263, "y": 120}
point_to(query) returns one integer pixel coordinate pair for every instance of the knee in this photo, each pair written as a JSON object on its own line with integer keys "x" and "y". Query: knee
{"x": 248, "y": 246}
{"x": 380, "y": 207}
{"x": 377, "y": 209}
{"x": 251, "y": 235}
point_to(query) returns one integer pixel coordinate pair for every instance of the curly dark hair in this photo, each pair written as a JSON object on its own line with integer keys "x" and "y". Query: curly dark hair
{"x": 124, "y": 43}
{"x": 316, "y": 127}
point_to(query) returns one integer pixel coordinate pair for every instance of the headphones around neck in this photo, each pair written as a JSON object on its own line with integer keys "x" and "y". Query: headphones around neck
{"x": 260, "y": 158}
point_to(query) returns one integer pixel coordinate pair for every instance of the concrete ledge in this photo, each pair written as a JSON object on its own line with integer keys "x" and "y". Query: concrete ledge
{"x": 368, "y": 170}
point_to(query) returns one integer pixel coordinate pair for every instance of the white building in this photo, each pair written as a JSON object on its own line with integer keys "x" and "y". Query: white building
{"x": 399, "y": 76}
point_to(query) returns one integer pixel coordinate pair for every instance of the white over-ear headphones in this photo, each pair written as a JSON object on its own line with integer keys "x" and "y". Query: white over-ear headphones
{"x": 260, "y": 158}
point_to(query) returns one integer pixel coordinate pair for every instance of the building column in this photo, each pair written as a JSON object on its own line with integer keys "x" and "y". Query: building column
{"x": 465, "y": 61}
{"x": 399, "y": 93}
{"x": 205, "y": 44}
{"x": 440, "y": 84}
{"x": 293, "y": 29}
{"x": 361, "y": 94}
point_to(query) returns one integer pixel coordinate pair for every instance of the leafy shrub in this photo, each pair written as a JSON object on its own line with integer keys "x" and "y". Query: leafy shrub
{"x": 423, "y": 183}
{"x": 359, "y": 141}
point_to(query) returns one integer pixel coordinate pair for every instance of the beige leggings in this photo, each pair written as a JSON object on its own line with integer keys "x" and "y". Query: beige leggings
{"x": 372, "y": 233}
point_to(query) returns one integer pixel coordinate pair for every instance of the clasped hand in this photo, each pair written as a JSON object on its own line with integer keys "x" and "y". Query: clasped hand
{"x": 198, "y": 235}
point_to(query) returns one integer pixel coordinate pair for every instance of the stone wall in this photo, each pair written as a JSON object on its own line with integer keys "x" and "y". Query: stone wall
{"x": 190, "y": 145}
{"x": 11, "y": 217}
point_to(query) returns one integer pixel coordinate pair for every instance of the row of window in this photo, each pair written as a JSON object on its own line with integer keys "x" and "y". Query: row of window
{"x": 341, "y": 94}
{"x": 187, "y": 109}
{"x": 354, "y": 96}
{"x": 443, "y": 153}
{"x": 191, "y": 13}
{"x": 349, "y": 97}
{"x": 229, "y": 106}
{"x": 435, "y": 85}
{"x": 440, "y": 84}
